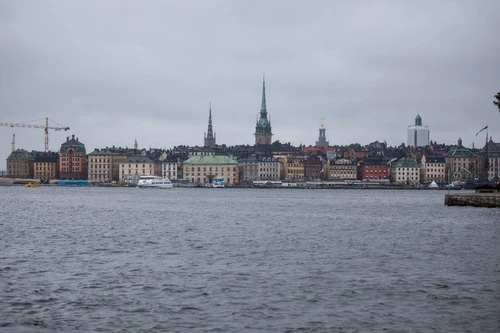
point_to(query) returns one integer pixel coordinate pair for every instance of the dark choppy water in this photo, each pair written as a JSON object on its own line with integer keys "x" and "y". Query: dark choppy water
{"x": 227, "y": 260}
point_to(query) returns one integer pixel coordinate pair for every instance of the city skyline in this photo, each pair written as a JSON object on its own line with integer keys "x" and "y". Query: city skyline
{"x": 149, "y": 72}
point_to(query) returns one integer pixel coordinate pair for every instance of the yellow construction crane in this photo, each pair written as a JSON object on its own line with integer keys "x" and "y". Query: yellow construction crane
{"x": 46, "y": 128}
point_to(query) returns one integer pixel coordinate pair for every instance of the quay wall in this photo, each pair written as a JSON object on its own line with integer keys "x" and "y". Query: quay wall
{"x": 473, "y": 199}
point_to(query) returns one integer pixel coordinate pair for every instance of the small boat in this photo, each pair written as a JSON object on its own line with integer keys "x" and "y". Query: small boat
{"x": 218, "y": 182}
{"x": 154, "y": 182}
{"x": 31, "y": 184}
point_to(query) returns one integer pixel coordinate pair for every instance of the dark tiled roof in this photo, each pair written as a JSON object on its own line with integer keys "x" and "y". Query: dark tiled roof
{"x": 73, "y": 143}
{"x": 20, "y": 155}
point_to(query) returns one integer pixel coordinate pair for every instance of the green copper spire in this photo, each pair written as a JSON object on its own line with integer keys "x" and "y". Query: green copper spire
{"x": 418, "y": 120}
{"x": 263, "y": 108}
{"x": 263, "y": 132}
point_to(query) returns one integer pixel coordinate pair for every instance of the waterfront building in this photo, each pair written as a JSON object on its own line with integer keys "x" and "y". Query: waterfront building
{"x": 20, "y": 164}
{"x": 322, "y": 142}
{"x": 405, "y": 171}
{"x": 203, "y": 167}
{"x": 209, "y": 140}
{"x": 292, "y": 167}
{"x": 104, "y": 164}
{"x": 72, "y": 159}
{"x": 314, "y": 167}
{"x": 418, "y": 135}
{"x": 45, "y": 165}
{"x": 259, "y": 167}
{"x": 263, "y": 134}
{"x": 170, "y": 167}
{"x": 131, "y": 168}
{"x": 460, "y": 163}
{"x": 343, "y": 169}
{"x": 488, "y": 161}
{"x": 433, "y": 168}
{"x": 373, "y": 169}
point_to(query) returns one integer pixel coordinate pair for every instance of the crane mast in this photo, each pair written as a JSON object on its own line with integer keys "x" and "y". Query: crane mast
{"x": 46, "y": 128}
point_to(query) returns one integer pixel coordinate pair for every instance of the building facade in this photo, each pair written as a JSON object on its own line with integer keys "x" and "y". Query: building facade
{"x": 460, "y": 163}
{"x": 418, "y": 135}
{"x": 263, "y": 134}
{"x": 405, "y": 171}
{"x": 433, "y": 168}
{"x": 292, "y": 167}
{"x": 373, "y": 169}
{"x": 343, "y": 169}
{"x": 170, "y": 168}
{"x": 104, "y": 164}
{"x": 135, "y": 166}
{"x": 20, "y": 164}
{"x": 72, "y": 159}
{"x": 259, "y": 168}
{"x": 488, "y": 162}
{"x": 314, "y": 167}
{"x": 45, "y": 165}
{"x": 204, "y": 167}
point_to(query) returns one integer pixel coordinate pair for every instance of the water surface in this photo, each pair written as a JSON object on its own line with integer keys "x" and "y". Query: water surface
{"x": 245, "y": 260}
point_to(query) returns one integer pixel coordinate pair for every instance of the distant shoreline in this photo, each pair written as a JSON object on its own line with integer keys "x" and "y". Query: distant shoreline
{"x": 301, "y": 187}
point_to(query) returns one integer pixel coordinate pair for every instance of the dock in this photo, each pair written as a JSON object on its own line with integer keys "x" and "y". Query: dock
{"x": 490, "y": 200}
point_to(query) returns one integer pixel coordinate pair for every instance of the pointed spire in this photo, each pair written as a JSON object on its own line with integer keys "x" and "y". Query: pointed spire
{"x": 263, "y": 133}
{"x": 210, "y": 114}
{"x": 135, "y": 144}
{"x": 263, "y": 108}
{"x": 209, "y": 136}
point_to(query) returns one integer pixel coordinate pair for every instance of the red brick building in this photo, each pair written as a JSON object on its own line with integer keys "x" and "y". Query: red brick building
{"x": 369, "y": 170}
{"x": 73, "y": 159}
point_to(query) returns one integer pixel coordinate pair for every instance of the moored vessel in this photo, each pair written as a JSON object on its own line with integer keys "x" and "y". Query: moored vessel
{"x": 218, "y": 182}
{"x": 154, "y": 182}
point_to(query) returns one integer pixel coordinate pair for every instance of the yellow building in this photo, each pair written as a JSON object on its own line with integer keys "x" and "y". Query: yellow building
{"x": 202, "y": 168}
{"x": 294, "y": 168}
{"x": 45, "y": 165}
{"x": 433, "y": 168}
{"x": 104, "y": 164}
{"x": 133, "y": 167}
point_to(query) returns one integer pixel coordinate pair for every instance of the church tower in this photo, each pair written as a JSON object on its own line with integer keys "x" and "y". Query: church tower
{"x": 209, "y": 136}
{"x": 322, "y": 143}
{"x": 263, "y": 133}
{"x": 418, "y": 135}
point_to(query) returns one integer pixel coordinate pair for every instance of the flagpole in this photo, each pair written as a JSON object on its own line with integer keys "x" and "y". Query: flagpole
{"x": 486, "y": 166}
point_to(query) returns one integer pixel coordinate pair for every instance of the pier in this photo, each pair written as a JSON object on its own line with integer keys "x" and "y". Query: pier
{"x": 473, "y": 199}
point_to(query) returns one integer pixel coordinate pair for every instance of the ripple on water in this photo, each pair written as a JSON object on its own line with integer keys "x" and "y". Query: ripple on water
{"x": 108, "y": 260}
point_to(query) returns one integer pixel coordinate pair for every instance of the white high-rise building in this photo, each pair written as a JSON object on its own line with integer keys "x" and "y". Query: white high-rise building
{"x": 418, "y": 135}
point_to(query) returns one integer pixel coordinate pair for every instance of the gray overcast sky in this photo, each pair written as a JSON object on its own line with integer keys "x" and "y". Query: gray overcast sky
{"x": 114, "y": 71}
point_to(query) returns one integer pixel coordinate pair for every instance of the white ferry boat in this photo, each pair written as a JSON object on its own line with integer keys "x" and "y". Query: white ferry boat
{"x": 154, "y": 182}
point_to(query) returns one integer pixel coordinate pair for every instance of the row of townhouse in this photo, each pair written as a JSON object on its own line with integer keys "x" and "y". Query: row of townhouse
{"x": 202, "y": 165}
{"x": 69, "y": 163}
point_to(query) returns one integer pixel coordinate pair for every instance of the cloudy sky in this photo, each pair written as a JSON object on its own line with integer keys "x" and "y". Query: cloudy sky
{"x": 115, "y": 71}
